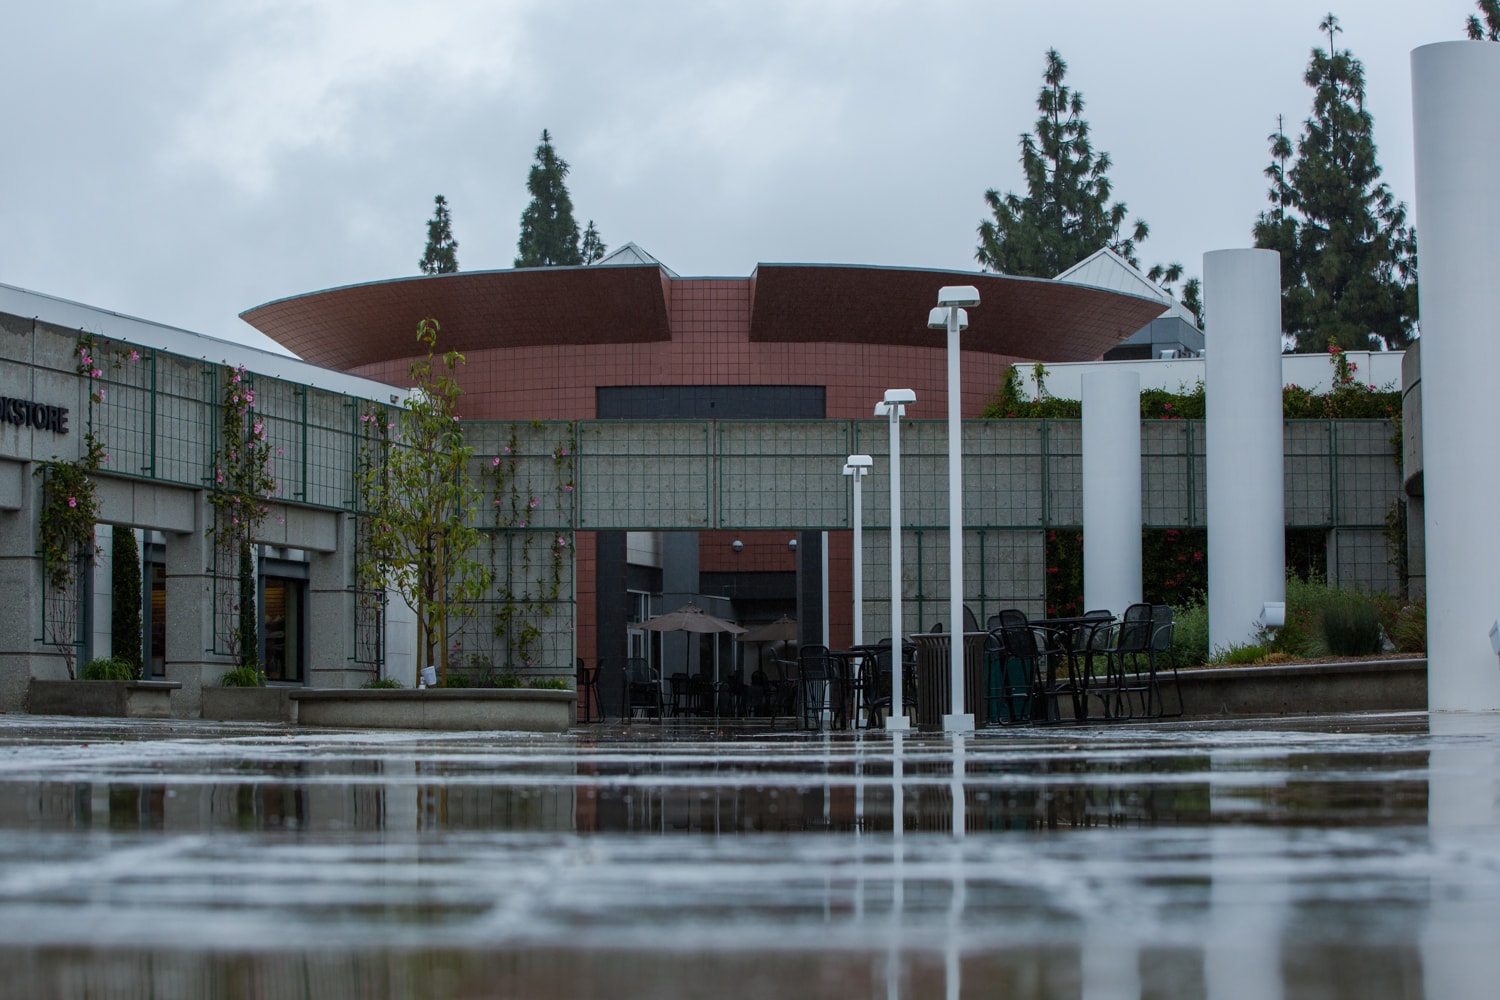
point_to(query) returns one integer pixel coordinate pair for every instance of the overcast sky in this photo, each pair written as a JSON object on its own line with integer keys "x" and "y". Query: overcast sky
{"x": 183, "y": 160}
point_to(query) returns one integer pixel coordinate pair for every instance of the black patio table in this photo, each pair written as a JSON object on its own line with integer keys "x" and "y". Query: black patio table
{"x": 1074, "y": 634}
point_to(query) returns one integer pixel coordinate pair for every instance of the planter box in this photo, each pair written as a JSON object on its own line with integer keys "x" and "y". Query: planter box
{"x": 243, "y": 704}
{"x": 522, "y": 709}
{"x": 102, "y": 699}
{"x": 1305, "y": 689}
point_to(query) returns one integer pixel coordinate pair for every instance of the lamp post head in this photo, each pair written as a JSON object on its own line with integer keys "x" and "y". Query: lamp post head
{"x": 937, "y": 318}
{"x": 894, "y": 404}
{"x": 958, "y": 295}
{"x": 858, "y": 465}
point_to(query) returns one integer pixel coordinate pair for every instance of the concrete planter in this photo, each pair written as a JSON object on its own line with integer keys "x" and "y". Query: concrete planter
{"x": 245, "y": 704}
{"x": 1305, "y": 689}
{"x": 516, "y": 709}
{"x": 102, "y": 699}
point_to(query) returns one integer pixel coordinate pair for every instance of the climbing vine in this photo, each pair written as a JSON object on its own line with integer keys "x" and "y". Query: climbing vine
{"x": 521, "y": 610}
{"x": 242, "y": 488}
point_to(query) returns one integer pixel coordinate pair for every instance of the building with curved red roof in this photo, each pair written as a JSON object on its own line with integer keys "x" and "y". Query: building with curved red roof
{"x": 629, "y": 338}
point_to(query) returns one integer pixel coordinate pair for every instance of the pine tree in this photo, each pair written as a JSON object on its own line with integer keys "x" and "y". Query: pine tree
{"x": 1066, "y": 213}
{"x": 549, "y": 235}
{"x": 441, "y": 255}
{"x": 1489, "y": 31}
{"x": 593, "y": 246}
{"x": 1348, "y": 257}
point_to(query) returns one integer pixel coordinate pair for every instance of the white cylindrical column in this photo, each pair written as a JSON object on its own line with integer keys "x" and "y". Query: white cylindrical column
{"x": 1111, "y": 490}
{"x": 1242, "y": 381}
{"x": 1457, "y": 141}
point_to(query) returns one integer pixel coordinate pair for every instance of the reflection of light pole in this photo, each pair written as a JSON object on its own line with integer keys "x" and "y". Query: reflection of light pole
{"x": 893, "y": 407}
{"x": 950, "y": 315}
{"x": 855, "y": 468}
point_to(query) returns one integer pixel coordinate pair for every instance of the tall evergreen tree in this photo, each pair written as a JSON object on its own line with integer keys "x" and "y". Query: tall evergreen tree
{"x": 1490, "y": 29}
{"x": 125, "y": 591}
{"x": 1066, "y": 213}
{"x": 1348, "y": 257}
{"x": 441, "y": 255}
{"x": 549, "y": 235}
{"x": 593, "y": 246}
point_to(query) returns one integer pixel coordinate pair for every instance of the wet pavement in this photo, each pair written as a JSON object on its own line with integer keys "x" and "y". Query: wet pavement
{"x": 1356, "y": 856}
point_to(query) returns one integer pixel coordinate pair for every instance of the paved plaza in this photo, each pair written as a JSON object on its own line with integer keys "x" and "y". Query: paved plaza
{"x": 1342, "y": 856}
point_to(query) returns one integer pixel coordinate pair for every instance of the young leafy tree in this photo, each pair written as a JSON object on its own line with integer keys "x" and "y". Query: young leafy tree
{"x": 1066, "y": 213}
{"x": 420, "y": 501}
{"x": 593, "y": 247}
{"x": 441, "y": 255}
{"x": 549, "y": 235}
{"x": 1348, "y": 256}
{"x": 1489, "y": 31}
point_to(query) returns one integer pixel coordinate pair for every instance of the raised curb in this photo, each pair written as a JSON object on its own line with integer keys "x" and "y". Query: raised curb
{"x": 102, "y": 699}
{"x": 247, "y": 704}
{"x": 1304, "y": 689}
{"x": 441, "y": 709}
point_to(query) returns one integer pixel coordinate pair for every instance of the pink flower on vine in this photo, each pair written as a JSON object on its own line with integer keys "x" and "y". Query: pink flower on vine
{"x": 507, "y": 449}
{"x": 567, "y": 487}
{"x": 532, "y": 504}
{"x": 258, "y": 429}
{"x": 562, "y": 542}
{"x": 72, "y": 501}
{"x": 135, "y": 356}
{"x": 495, "y": 462}
{"x": 95, "y": 373}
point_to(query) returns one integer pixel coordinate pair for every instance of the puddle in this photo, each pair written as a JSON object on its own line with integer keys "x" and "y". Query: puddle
{"x": 1356, "y": 856}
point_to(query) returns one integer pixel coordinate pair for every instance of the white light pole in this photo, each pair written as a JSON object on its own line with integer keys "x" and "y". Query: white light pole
{"x": 855, "y": 468}
{"x": 950, "y": 315}
{"x": 893, "y": 407}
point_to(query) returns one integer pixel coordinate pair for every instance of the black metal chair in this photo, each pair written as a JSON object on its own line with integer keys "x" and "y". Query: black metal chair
{"x": 1129, "y": 672}
{"x": 642, "y": 689}
{"x": 588, "y": 692}
{"x": 815, "y": 679}
{"x": 1163, "y": 632}
{"x": 1038, "y": 650}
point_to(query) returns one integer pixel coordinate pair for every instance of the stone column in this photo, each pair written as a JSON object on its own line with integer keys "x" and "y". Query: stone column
{"x": 330, "y": 613}
{"x": 1111, "y": 490}
{"x": 1242, "y": 379}
{"x": 190, "y": 612}
{"x": 1457, "y": 143}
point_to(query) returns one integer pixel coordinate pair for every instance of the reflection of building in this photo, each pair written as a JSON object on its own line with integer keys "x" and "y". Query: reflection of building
{"x": 630, "y": 340}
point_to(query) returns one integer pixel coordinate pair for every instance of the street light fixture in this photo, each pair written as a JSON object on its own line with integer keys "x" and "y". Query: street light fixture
{"x": 856, "y": 467}
{"x": 950, "y": 315}
{"x": 893, "y": 407}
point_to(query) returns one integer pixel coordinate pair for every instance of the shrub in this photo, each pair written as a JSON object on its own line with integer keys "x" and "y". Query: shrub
{"x": 247, "y": 675}
{"x": 507, "y": 679}
{"x": 551, "y": 684}
{"x": 382, "y": 682}
{"x": 1239, "y": 655}
{"x": 111, "y": 668}
{"x": 1351, "y": 625}
{"x": 456, "y": 679}
{"x": 1190, "y": 636}
{"x": 1409, "y": 631}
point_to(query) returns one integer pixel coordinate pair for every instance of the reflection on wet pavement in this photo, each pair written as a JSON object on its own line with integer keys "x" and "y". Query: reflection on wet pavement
{"x": 1356, "y": 856}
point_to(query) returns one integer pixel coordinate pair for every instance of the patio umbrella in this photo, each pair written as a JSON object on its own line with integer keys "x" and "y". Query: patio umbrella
{"x": 783, "y": 629}
{"x": 691, "y": 618}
